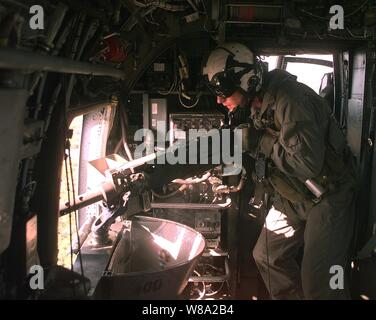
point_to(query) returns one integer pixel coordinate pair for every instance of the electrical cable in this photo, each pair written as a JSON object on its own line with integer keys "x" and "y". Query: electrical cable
{"x": 313, "y": 15}
{"x": 17, "y": 4}
{"x": 160, "y": 4}
{"x": 188, "y": 106}
{"x": 70, "y": 218}
{"x": 203, "y": 178}
{"x": 174, "y": 84}
{"x": 184, "y": 74}
{"x": 354, "y": 35}
{"x": 267, "y": 257}
{"x": 323, "y": 36}
{"x": 194, "y": 7}
{"x": 75, "y": 54}
{"x": 171, "y": 89}
{"x": 76, "y": 220}
{"x": 140, "y": 4}
{"x": 68, "y": 155}
{"x": 356, "y": 10}
{"x": 166, "y": 196}
{"x": 203, "y": 292}
{"x": 266, "y": 204}
{"x": 151, "y": 20}
{"x": 327, "y": 19}
{"x": 217, "y": 291}
{"x": 206, "y": 20}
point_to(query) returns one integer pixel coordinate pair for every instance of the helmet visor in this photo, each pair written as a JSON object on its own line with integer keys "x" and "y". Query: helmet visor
{"x": 225, "y": 83}
{"x": 220, "y": 85}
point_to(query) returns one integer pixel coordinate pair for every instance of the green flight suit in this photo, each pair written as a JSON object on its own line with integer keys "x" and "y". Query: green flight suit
{"x": 296, "y": 132}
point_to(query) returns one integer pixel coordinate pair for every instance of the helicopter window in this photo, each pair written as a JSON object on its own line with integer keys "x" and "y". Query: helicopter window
{"x": 309, "y": 69}
{"x": 272, "y": 61}
{"x": 63, "y": 233}
{"x": 88, "y": 144}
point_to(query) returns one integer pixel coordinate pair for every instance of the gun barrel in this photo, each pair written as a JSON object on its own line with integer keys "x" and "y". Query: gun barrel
{"x": 81, "y": 201}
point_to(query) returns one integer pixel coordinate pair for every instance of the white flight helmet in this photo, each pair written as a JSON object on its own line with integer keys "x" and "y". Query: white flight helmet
{"x": 231, "y": 67}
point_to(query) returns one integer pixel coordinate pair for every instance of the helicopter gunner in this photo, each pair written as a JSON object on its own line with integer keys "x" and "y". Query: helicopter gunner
{"x": 309, "y": 178}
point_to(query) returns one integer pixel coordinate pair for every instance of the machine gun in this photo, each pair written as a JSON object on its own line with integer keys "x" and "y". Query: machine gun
{"x": 125, "y": 193}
